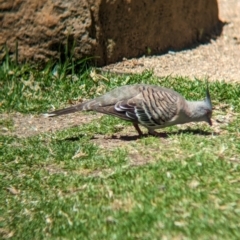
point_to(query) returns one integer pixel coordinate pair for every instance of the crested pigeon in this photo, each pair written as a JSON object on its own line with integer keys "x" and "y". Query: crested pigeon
{"x": 150, "y": 106}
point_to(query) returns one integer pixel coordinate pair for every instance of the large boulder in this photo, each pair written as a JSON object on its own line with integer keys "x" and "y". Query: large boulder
{"x": 107, "y": 29}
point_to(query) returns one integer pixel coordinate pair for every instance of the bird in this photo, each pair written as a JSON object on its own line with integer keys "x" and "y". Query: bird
{"x": 150, "y": 106}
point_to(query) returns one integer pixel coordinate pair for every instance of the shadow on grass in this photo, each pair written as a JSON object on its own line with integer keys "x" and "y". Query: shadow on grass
{"x": 136, "y": 137}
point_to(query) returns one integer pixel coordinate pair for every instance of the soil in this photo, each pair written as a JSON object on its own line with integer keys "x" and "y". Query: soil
{"x": 217, "y": 60}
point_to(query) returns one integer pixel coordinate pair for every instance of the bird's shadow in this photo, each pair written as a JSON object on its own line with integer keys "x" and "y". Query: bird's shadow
{"x": 163, "y": 135}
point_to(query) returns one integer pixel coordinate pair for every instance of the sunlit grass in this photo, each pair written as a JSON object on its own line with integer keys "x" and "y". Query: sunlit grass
{"x": 64, "y": 185}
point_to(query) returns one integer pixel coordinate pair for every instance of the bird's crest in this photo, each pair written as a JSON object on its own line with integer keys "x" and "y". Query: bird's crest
{"x": 208, "y": 98}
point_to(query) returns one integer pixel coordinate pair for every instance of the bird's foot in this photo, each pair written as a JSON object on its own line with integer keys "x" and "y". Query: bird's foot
{"x": 157, "y": 134}
{"x": 138, "y": 129}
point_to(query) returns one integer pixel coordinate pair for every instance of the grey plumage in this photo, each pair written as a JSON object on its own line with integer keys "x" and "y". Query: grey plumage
{"x": 150, "y": 106}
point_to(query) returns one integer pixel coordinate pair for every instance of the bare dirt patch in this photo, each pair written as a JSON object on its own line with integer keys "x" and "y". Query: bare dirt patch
{"x": 218, "y": 60}
{"x": 29, "y": 125}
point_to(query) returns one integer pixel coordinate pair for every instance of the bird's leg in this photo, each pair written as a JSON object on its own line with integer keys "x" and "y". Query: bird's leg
{"x": 156, "y": 134}
{"x": 137, "y": 129}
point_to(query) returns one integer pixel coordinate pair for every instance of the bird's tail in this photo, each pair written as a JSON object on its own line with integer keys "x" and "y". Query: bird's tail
{"x": 85, "y": 106}
{"x": 64, "y": 111}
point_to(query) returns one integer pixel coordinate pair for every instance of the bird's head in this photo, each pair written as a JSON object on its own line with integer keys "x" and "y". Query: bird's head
{"x": 201, "y": 110}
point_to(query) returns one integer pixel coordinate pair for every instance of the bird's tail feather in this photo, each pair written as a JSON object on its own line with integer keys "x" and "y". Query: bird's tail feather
{"x": 64, "y": 111}
{"x": 85, "y": 106}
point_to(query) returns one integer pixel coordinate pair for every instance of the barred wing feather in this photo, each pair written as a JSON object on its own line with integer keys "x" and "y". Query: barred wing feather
{"x": 150, "y": 108}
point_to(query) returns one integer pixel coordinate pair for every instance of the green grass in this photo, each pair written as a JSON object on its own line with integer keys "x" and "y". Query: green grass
{"x": 64, "y": 185}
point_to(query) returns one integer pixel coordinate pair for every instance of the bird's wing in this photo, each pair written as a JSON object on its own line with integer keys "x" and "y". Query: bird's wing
{"x": 160, "y": 105}
{"x": 151, "y": 107}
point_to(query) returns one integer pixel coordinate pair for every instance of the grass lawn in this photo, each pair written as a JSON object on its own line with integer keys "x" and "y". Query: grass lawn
{"x": 65, "y": 185}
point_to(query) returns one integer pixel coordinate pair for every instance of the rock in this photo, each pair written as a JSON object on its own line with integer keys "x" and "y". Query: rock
{"x": 110, "y": 30}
